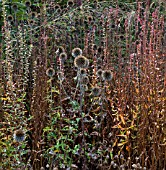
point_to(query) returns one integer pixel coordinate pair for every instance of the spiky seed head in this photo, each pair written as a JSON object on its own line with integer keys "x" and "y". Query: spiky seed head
{"x": 82, "y": 72}
{"x": 19, "y": 135}
{"x": 57, "y": 6}
{"x": 99, "y": 73}
{"x": 70, "y": 3}
{"x": 14, "y": 7}
{"x": 81, "y": 62}
{"x": 50, "y": 72}
{"x": 100, "y": 49}
{"x": 10, "y": 18}
{"x": 85, "y": 80}
{"x": 63, "y": 56}
{"x": 89, "y": 18}
{"x": 27, "y": 3}
{"x": 61, "y": 49}
{"x": 96, "y": 91}
{"x": 107, "y": 75}
{"x": 76, "y": 52}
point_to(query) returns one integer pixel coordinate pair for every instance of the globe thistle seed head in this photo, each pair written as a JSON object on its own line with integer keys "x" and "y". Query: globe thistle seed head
{"x": 61, "y": 49}
{"x": 82, "y": 72}
{"x": 57, "y": 6}
{"x": 61, "y": 76}
{"x": 89, "y": 18}
{"x": 70, "y": 3}
{"x": 14, "y": 7}
{"x": 81, "y": 62}
{"x": 107, "y": 75}
{"x": 63, "y": 56}
{"x": 99, "y": 73}
{"x": 84, "y": 87}
{"x": 76, "y": 52}
{"x": 85, "y": 80}
{"x": 27, "y": 3}
{"x": 50, "y": 72}
{"x": 99, "y": 49}
{"x": 10, "y": 18}
{"x": 19, "y": 135}
{"x": 96, "y": 91}
{"x": 33, "y": 14}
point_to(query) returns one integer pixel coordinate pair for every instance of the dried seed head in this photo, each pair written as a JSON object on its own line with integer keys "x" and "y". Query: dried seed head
{"x": 85, "y": 80}
{"x": 76, "y": 52}
{"x": 63, "y": 56}
{"x": 14, "y": 7}
{"x": 99, "y": 73}
{"x": 50, "y": 72}
{"x": 10, "y": 18}
{"x": 27, "y": 3}
{"x": 19, "y": 135}
{"x": 70, "y": 3}
{"x": 81, "y": 62}
{"x": 107, "y": 75}
{"x": 96, "y": 91}
{"x": 61, "y": 49}
{"x": 82, "y": 72}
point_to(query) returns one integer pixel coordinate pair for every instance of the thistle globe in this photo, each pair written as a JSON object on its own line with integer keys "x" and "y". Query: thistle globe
{"x": 76, "y": 52}
{"x": 63, "y": 56}
{"x": 96, "y": 91}
{"x": 85, "y": 80}
{"x": 81, "y": 62}
{"x": 50, "y": 72}
{"x": 107, "y": 75}
{"x": 19, "y": 135}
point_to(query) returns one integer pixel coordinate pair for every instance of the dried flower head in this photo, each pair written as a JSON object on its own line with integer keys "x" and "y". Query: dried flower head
{"x": 85, "y": 80}
{"x": 14, "y": 7}
{"x": 50, "y": 72}
{"x": 19, "y": 135}
{"x": 61, "y": 49}
{"x": 70, "y": 3}
{"x": 76, "y": 52}
{"x": 107, "y": 75}
{"x": 82, "y": 72}
{"x": 28, "y": 3}
{"x": 63, "y": 56}
{"x": 96, "y": 91}
{"x": 10, "y": 18}
{"x": 81, "y": 62}
{"x": 57, "y": 6}
{"x": 89, "y": 18}
{"x": 99, "y": 73}
{"x": 60, "y": 76}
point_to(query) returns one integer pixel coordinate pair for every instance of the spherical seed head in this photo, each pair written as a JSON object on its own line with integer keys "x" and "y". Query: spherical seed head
{"x": 10, "y": 18}
{"x": 96, "y": 91}
{"x": 63, "y": 56}
{"x": 61, "y": 49}
{"x": 70, "y": 3}
{"x": 76, "y": 52}
{"x": 27, "y": 3}
{"x": 50, "y": 72}
{"x": 85, "y": 80}
{"x": 82, "y": 72}
{"x": 89, "y": 18}
{"x": 19, "y": 135}
{"x": 42, "y": 168}
{"x": 81, "y": 62}
{"x": 14, "y": 7}
{"x": 57, "y": 6}
{"x": 99, "y": 73}
{"x": 107, "y": 75}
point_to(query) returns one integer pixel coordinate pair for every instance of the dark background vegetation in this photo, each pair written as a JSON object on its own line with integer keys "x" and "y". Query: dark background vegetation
{"x": 63, "y": 122}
